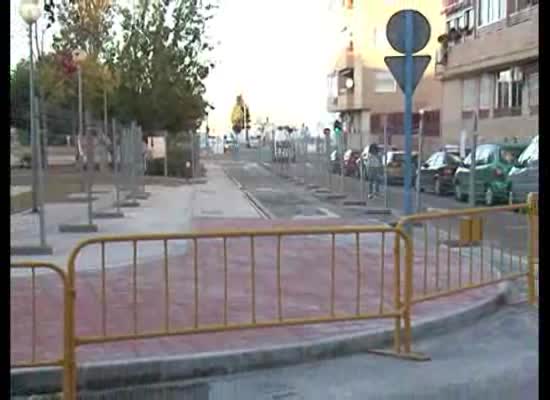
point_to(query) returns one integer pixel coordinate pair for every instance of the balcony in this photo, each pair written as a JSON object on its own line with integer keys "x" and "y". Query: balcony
{"x": 506, "y": 42}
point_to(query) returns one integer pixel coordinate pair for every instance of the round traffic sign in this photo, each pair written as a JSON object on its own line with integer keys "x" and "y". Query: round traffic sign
{"x": 396, "y": 31}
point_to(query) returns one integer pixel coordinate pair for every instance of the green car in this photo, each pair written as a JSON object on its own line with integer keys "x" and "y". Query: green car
{"x": 493, "y": 162}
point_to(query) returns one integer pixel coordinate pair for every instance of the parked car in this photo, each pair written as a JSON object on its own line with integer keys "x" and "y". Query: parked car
{"x": 395, "y": 166}
{"x": 493, "y": 162}
{"x": 364, "y": 154}
{"x": 229, "y": 143}
{"x": 350, "y": 162}
{"x": 454, "y": 149}
{"x": 254, "y": 141}
{"x": 334, "y": 162}
{"x": 524, "y": 175}
{"x": 437, "y": 173}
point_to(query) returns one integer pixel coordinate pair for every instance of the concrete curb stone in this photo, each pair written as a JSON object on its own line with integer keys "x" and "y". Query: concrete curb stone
{"x": 110, "y": 375}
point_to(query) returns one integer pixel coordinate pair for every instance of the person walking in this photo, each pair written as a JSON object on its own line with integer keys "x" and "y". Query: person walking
{"x": 374, "y": 170}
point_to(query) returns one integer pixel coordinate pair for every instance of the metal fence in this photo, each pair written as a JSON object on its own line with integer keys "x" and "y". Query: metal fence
{"x": 451, "y": 252}
{"x": 21, "y": 274}
{"x": 456, "y": 255}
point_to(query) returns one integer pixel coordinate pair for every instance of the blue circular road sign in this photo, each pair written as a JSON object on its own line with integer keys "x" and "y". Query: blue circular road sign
{"x": 396, "y": 31}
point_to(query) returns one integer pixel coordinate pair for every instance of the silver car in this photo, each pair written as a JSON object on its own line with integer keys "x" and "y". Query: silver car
{"x": 524, "y": 176}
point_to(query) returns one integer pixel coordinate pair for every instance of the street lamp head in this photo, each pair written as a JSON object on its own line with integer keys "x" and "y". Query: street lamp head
{"x": 30, "y": 10}
{"x": 79, "y": 56}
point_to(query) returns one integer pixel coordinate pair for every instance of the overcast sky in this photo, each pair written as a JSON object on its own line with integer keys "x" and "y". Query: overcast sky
{"x": 276, "y": 53}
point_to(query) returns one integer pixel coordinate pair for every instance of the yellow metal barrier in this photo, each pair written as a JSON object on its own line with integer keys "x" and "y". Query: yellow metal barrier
{"x": 67, "y": 361}
{"x": 400, "y": 310}
{"x": 469, "y": 236}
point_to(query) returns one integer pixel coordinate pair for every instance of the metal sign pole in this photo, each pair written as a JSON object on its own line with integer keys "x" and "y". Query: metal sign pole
{"x": 165, "y": 153}
{"x": 341, "y": 152}
{"x": 472, "y": 194}
{"x": 329, "y": 167}
{"x": 407, "y": 117}
{"x": 304, "y": 148}
{"x": 90, "y": 167}
{"x": 116, "y": 164}
{"x": 385, "y": 164}
{"x": 419, "y": 161}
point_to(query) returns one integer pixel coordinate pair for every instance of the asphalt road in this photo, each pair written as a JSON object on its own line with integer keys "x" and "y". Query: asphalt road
{"x": 285, "y": 199}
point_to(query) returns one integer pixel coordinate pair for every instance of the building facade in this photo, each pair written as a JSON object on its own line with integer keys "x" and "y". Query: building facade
{"x": 488, "y": 65}
{"x": 361, "y": 88}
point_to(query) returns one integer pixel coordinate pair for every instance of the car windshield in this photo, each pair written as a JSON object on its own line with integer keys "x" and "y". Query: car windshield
{"x": 531, "y": 153}
{"x": 510, "y": 155}
{"x": 453, "y": 158}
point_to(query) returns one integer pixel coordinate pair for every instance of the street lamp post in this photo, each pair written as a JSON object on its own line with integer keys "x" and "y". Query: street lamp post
{"x": 30, "y": 11}
{"x": 78, "y": 57}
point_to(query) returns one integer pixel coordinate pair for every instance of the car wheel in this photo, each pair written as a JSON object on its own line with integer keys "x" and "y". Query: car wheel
{"x": 458, "y": 192}
{"x": 489, "y": 197}
{"x": 437, "y": 188}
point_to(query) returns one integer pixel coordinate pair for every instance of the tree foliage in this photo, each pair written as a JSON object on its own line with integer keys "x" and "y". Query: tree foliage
{"x": 163, "y": 63}
{"x": 240, "y": 115}
{"x": 153, "y": 68}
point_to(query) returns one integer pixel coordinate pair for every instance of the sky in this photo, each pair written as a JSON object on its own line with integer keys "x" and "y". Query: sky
{"x": 277, "y": 54}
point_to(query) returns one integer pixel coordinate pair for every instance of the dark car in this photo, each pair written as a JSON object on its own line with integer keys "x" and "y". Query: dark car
{"x": 437, "y": 173}
{"x": 395, "y": 166}
{"x": 350, "y": 162}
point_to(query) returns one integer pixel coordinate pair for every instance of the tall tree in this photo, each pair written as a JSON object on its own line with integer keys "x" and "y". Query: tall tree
{"x": 240, "y": 116}
{"x": 163, "y": 62}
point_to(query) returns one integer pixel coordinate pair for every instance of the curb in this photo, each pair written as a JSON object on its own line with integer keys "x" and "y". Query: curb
{"x": 124, "y": 373}
{"x": 256, "y": 204}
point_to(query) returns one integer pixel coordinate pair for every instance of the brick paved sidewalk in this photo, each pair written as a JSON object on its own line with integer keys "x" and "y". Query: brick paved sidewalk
{"x": 306, "y": 288}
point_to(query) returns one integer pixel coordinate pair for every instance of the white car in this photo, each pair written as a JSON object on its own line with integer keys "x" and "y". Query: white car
{"x": 255, "y": 141}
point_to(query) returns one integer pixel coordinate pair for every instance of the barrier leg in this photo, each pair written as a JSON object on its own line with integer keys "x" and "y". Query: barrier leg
{"x": 402, "y": 341}
{"x": 531, "y": 221}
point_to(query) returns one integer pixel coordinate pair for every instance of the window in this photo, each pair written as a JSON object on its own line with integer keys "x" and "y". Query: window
{"x": 518, "y": 5}
{"x": 509, "y": 87}
{"x": 485, "y": 91}
{"x": 384, "y": 82}
{"x": 533, "y": 86}
{"x": 469, "y": 94}
{"x": 333, "y": 85}
{"x": 485, "y": 155}
{"x": 510, "y": 156}
{"x": 438, "y": 161}
{"x": 531, "y": 154}
{"x": 491, "y": 11}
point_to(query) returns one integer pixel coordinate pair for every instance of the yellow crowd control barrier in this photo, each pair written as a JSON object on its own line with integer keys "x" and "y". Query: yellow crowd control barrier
{"x": 458, "y": 257}
{"x": 67, "y": 360}
{"x": 400, "y": 310}
{"x": 445, "y": 272}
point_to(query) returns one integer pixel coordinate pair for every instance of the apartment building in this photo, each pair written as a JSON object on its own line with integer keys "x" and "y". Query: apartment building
{"x": 488, "y": 64}
{"x": 361, "y": 88}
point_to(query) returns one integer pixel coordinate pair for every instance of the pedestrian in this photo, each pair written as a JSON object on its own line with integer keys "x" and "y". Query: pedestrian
{"x": 374, "y": 170}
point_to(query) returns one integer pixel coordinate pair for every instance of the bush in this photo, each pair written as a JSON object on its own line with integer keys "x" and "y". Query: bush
{"x": 177, "y": 158}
